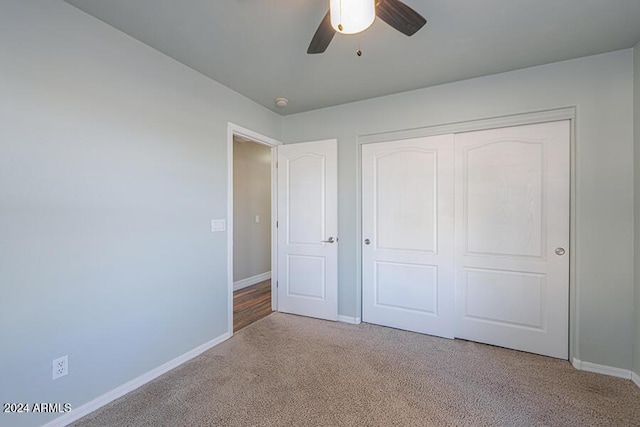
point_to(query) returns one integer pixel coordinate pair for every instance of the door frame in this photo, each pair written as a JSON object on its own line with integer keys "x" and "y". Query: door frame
{"x": 534, "y": 117}
{"x": 236, "y": 130}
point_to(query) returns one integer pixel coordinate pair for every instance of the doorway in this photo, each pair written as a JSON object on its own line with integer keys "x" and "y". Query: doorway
{"x": 304, "y": 190}
{"x": 252, "y": 231}
{"x": 252, "y": 219}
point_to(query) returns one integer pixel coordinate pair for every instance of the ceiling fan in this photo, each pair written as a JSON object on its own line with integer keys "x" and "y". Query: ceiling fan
{"x": 393, "y": 12}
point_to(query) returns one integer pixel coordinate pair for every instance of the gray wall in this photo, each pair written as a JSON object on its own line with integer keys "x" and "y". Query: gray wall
{"x": 636, "y": 98}
{"x": 601, "y": 88}
{"x": 251, "y": 197}
{"x": 112, "y": 165}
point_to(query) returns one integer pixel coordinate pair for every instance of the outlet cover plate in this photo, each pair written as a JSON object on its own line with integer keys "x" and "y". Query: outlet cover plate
{"x": 60, "y": 367}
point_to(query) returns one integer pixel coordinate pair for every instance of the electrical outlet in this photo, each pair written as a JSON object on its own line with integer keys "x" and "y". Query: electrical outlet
{"x": 60, "y": 367}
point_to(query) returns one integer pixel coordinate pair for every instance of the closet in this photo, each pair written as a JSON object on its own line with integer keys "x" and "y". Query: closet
{"x": 467, "y": 236}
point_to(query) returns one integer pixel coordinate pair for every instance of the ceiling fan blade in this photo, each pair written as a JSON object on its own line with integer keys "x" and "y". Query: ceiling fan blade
{"x": 323, "y": 36}
{"x": 400, "y": 16}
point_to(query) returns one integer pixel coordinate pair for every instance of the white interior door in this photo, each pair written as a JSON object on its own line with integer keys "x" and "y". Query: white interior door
{"x": 307, "y": 229}
{"x": 408, "y": 234}
{"x": 512, "y": 237}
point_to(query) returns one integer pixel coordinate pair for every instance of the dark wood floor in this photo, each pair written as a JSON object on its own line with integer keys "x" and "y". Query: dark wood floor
{"x": 251, "y": 304}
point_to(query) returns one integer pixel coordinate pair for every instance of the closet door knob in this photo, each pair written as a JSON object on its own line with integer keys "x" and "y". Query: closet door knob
{"x": 560, "y": 251}
{"x": 367, "y": 241}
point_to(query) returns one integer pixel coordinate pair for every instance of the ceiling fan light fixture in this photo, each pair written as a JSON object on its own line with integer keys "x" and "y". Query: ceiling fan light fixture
{"x": 352, "y": 16}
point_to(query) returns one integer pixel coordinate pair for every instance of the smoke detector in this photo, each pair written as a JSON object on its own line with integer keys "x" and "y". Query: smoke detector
{"x": 282, "y": 102}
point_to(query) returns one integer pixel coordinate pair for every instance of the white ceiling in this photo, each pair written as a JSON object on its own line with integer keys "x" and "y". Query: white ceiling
{"x": 258, "y": 47}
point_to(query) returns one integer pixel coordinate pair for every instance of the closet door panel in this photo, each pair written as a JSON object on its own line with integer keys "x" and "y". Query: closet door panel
{"x": 407, "y": 196}
{"x": 512, "y": 228}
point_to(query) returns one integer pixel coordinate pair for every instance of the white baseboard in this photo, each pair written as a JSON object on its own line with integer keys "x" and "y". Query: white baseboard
{"x": 601, "y": 369}
{"x": 87, "y": 408}
{"x": 250, "y": 281}
{"x": 635, "y": 378}
{"x": 348, "y": 319}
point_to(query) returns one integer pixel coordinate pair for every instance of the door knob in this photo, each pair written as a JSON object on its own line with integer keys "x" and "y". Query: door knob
{"x": 330, "y": 240}
{"x": 367, "y": 241}
{"x": 559, "y": 251}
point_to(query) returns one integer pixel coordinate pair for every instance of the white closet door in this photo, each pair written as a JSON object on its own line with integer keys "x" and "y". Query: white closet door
{"x": 307, "y": 229}
{"x": 408, "y": 235}
{"x": 512, "y": 237}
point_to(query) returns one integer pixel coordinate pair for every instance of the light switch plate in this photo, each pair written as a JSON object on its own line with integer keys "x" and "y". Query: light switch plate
{"x": 257, "y": 219}
{"x": 218, "y": 225}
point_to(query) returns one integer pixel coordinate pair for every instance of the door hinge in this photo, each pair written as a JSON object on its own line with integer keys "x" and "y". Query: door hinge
{"x": 276, "y": 165}
{"x": 277, "y": 284}
{"x": 276, "y": 224}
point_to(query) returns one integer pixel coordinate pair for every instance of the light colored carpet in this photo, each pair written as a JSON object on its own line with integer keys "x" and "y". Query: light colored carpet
{"x": 293, "y": 371}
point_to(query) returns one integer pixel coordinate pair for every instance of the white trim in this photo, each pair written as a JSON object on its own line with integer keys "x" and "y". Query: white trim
{"x": 233, "y": 129}
{"x": 250, "y": 281}
{"x": 349, "y": 319}
{"x": 230, "y": 131}
{"x": 635, "y": 378}
{"x": 601, "y": 369}
{"x": 567, "y": 113}
{"x": 576, "y": 363}
{"x": 274, "y": 229}
{"x": 253, "y": 136}
{"x": 129, "y": 386}
{"x": 574, "y": 272}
